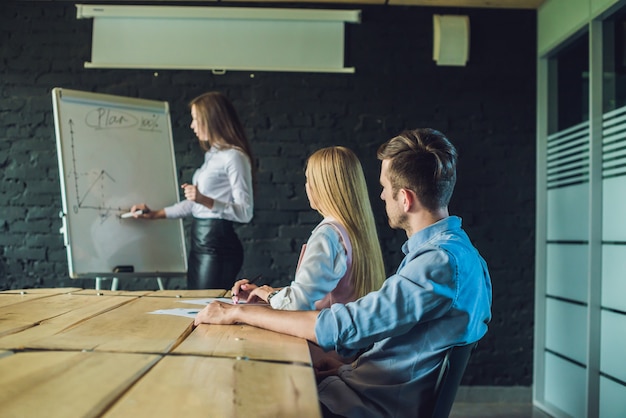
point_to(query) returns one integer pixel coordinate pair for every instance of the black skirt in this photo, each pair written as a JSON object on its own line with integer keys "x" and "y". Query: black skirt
{"x": 216, "y": 254}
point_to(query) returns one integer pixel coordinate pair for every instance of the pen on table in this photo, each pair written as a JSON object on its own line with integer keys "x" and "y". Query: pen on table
{"x": 250, "y": 281}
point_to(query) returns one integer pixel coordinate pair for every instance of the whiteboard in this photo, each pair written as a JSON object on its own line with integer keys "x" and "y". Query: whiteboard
{"x": 114, "y": 152}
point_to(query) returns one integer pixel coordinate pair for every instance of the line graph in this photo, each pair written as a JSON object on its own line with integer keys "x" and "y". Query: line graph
{"x": 94, "y": 195}
{"x": 113, "y": 152}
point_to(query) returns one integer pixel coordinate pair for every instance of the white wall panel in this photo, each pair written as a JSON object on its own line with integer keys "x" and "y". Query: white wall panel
{"x": 557, "y": 20}
{"x": 580, "y": 348}
{"x": 566, "y": 329}
{"x": 565, "y": 385}
{"x": 568, "y": 213}
{"x": 614, "y": 209}
{"x": 612, "y": 399}
{"x": 614, "y": 278}
{"x": 613, "y": 345}
{"x": 567, "y": 271}
{"x": 599, "y": 6}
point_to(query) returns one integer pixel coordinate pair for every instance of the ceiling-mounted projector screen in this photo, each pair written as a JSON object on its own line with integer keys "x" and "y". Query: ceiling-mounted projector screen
{"x": 218, "y": 38}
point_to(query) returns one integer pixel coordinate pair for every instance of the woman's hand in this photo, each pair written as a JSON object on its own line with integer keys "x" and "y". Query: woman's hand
{"x": 241, "y": 290}
{"x": 260, "y": 294}
{"x": 142, "y": 211}
{"x": 192, "y": 193}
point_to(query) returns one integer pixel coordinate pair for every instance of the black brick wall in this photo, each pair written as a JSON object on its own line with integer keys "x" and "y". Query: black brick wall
{"x": 487, "y": 109}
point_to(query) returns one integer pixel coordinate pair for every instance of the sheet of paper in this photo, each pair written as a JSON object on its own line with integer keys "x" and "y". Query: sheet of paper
{"x": 191, "y": 313}
{"x": 206, "y": 301}
{"x": 188, "y": 313}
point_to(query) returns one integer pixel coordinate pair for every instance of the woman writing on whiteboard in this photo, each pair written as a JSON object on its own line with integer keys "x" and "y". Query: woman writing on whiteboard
{"x": 342, "y": 259}
{"x": 220, "y": 194}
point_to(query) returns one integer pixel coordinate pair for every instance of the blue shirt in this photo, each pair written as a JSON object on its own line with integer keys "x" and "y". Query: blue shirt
{"x": 439, "y": 297}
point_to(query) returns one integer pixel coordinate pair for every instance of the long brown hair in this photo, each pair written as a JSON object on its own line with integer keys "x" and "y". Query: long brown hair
{"x": 216, "y": 114}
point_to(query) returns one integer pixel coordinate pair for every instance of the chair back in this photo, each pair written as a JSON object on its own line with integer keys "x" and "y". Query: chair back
{"x": 450, "y": 375}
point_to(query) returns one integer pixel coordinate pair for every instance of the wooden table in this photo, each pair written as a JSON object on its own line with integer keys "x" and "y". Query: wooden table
{"x": 92, "y": 353}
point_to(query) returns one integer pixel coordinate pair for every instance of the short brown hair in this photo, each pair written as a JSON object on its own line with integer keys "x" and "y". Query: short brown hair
{"x": 422, "y": 160}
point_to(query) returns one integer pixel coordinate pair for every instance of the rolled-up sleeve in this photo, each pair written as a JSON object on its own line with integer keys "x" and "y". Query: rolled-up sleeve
{"x": 394, "y": 309}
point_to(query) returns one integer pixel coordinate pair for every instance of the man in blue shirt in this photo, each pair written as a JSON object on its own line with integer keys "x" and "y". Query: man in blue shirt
{"x": 439, "y": 297}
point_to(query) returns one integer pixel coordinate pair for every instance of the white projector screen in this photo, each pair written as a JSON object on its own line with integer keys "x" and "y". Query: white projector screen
{"x": 218, "y": 38}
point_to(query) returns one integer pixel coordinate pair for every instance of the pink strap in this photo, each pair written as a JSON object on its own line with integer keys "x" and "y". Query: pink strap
{"x": 345, "y": 241}
{"x": 344, "y": 291}
{"x": 301, "y": 255}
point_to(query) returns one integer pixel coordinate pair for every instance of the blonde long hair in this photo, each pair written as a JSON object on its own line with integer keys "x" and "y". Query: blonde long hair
{"x": 337, "y": 185}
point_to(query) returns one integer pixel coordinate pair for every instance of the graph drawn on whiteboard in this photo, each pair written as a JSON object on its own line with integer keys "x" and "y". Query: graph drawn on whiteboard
{"x": 91, "y": 188}
{"x": 114, "y": 152}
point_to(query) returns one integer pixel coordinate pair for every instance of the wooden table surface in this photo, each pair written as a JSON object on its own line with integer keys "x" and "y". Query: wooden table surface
{"x": 90, "y": 353}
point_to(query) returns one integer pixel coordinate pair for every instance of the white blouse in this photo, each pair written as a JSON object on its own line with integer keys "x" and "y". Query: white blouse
{"x": 322, "y": 265}
{"x": 226, "y": 177}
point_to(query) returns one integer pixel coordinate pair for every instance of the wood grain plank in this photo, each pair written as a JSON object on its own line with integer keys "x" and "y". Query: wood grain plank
{"x": 102, "y": 292}
{"x": 66, "y": 384}
{"x": 23, "y": 323}
{"x": 128, "y": 328}
{"x": 187, "y": 386}
{"x": 11, "y": 299}
{"x": 195, "y": 294}
{"x": 45, "y": 291}
{"x": 244, "y": 341}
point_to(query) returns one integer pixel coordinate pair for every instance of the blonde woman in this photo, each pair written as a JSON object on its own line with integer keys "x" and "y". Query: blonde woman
{"x": 342, "y": 260}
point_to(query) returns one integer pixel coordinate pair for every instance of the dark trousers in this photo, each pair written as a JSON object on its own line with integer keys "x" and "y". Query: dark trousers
{"x": 326, "y": 413}
{"x": 216, "y": 255}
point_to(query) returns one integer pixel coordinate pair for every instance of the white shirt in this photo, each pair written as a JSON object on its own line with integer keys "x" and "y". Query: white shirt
{"x": 226, "y": 177}
{"x": 323, "y": 264}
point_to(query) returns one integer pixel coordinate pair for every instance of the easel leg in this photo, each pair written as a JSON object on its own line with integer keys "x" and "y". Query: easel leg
{"x": 114, "y": 283}
{"x": 160, "y": 282}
